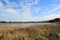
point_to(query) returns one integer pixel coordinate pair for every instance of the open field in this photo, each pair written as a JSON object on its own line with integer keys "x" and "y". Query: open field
{"x": 38, "y": 32}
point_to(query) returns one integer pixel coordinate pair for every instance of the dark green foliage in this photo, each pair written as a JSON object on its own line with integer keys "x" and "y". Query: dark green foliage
{"x": 2, "y": 21}
{"x": 56, "y": 20}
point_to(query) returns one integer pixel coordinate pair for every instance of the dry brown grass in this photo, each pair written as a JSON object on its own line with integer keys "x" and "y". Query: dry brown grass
{"x": 38, "y": 32}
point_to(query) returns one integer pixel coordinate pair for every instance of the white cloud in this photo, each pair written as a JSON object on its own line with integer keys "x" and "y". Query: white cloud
{"x": 51, "y": 12}
{"x": 1, "y": 5}
{"x": 31, "y": 2}
{"x": 12, "y": 11}
{"x": 16, "y": 14}
{"x": 51, "y": 17}
{"x": 8, "y": 9}
{"x": 9, "y": 5}
{"x": 37, "y": 10}
{"x": 26, "y": 14}
{"x": 55, "y": 8}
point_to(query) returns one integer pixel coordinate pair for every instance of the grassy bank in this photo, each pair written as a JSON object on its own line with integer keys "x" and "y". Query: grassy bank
{"x": 38, "y": 32}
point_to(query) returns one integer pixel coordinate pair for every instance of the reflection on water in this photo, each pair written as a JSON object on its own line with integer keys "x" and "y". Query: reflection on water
{"x": 21, "y": 24}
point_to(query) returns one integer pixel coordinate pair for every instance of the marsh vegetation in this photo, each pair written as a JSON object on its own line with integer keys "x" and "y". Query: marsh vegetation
{"x": 38, "y": 32}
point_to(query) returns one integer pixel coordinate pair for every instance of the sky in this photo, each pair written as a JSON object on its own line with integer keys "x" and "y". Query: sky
{"x": 29, "y": 10}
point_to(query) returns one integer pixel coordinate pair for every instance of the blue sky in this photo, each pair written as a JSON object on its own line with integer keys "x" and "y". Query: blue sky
{"x": 29, "y": 10}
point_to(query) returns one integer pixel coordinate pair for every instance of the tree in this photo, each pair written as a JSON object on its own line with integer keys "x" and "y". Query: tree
{"x": 57, "y": 19}
{"x": 54, "y": 20}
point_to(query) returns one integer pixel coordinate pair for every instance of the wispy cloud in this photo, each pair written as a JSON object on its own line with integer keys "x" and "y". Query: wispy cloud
{"x": 1, "y": 5}
{"x": 25, "y": 15}
{"x": 23, "y": 10}
{"x": 54, "y": 8}
{"x": 8, "y": 3}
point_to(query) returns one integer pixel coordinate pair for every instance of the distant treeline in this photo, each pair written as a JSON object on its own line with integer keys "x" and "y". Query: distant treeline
{"x": 56, "y": 20}
{"x": 21, "y": 22}
{"x": 3, "y": 22}
{"x": 9, "y": 22}
{"x": 49, "y": 21}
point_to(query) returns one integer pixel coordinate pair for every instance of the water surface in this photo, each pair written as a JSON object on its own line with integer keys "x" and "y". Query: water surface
{"x": 21, "y": 24}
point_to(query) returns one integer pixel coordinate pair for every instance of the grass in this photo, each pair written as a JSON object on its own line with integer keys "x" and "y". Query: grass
{"x": 38, "y": 32}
